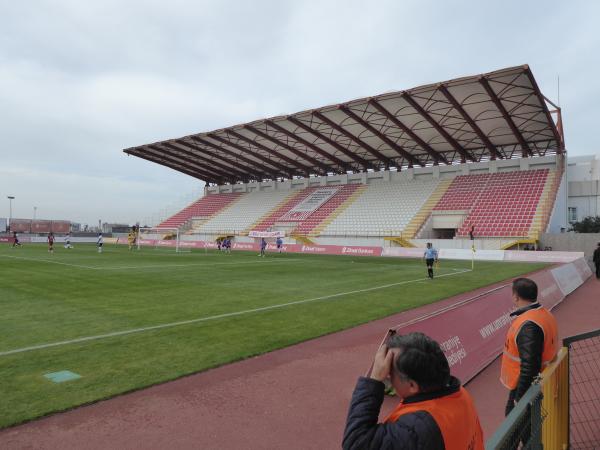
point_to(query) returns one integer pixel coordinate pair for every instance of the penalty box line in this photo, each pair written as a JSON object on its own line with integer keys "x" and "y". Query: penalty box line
{"x": 218, "y": 316}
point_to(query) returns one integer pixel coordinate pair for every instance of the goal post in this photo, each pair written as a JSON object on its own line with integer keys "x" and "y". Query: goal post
{"x": 158, "y": 238}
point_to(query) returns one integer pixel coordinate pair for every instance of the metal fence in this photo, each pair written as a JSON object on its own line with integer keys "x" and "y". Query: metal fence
{"x": 555, "y": 390}
{"x": 562, "y": 407}
{"x": 584, "y": 390}
{"x": 541, "y": 418}
{"x": 522, "y": 428}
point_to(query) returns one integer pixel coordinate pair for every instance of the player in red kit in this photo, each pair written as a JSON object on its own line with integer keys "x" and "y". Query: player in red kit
{"x": 51, "y": 242}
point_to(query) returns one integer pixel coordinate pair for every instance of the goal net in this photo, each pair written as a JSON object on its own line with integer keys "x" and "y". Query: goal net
{"x": 158, "y": 238}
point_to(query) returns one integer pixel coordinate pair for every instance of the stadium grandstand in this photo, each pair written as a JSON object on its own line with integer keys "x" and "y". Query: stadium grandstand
{"x": 476, "y": 158}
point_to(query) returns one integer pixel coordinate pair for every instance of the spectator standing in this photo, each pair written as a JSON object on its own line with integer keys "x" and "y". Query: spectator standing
{"x": 531, "y": 343}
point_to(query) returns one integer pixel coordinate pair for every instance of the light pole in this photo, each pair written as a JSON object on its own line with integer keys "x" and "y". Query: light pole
{"x": 34, "y": 211}
{"x": 10, "y": 199}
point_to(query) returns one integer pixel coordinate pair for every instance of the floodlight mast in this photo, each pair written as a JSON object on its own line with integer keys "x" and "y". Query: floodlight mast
{"x": 10, "y": 199}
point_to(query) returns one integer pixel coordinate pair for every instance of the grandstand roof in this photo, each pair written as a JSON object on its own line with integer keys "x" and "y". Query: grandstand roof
{"x": 496, "y": 115}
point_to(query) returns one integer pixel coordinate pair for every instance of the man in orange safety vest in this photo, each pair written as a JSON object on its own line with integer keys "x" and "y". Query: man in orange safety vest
{"x": 435, "y": 412}
{"x": 531, "y": 342}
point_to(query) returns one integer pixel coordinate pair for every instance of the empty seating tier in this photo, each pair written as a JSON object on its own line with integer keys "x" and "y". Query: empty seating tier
{"x": 382, "y": 209}
{"x": 204, "y": 207}
{"x": 497, "y": 205}
{"x": 267, "y": 222}
{"x": 324, "y": 211}
{"x": 243, "y": 213}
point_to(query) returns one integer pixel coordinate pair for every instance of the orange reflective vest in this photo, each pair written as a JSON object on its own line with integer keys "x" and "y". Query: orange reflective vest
{"x": 511, "y": 362}
{"x": 456, "y": 416}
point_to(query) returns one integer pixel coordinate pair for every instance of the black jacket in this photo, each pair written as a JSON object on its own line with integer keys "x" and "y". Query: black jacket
{"x": 530, "y": 342}
{"x": 596, "y": 257}
{"x": 413, "y": 431}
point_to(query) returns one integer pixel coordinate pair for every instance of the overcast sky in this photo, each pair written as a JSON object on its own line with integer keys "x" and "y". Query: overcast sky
{"x": 82, "y": 80}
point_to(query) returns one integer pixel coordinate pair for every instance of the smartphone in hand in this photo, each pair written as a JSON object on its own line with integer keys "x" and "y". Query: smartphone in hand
{"x": 384, "y": 342}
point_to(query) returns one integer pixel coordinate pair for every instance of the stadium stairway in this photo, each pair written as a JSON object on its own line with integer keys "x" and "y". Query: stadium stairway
{"x": 300, "y": 239}
{"x": 545, "y": 205}
{"x": 205, "y": 207}
{"x": 399, "y": 241}
{"x": 328, "y": 211}
{"x": 412, "y": 229}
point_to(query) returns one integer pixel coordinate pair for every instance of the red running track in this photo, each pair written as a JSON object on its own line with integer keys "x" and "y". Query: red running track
{"x": 294, "y": 398}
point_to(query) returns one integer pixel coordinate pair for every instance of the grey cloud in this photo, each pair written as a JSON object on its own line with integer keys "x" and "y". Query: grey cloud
{"x": 80, "y": 81}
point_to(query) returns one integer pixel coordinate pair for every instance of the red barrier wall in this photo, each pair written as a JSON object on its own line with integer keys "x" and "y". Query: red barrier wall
{"x": 20, "y": 225}
{"x": 472, "y": 331}
{"x": 61, "y": 226}
{"x": 41, "y": 226}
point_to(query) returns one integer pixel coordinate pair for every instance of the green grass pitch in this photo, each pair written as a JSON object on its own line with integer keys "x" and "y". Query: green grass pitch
{"x": 78, "y": 293}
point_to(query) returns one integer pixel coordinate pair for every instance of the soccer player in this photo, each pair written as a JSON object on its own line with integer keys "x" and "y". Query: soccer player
{"x": 51, "y": 242}
{"x": 263, "y": 247}
{"x": 16, "y": 242}
{"x": 279, "y": 243}
{"x": 228, "y": 245}
{"x": 430, "y": 256}
{"x": 99, "y": 242}
{"x": 68, "y": 240}
{"x": 131, "y": 239}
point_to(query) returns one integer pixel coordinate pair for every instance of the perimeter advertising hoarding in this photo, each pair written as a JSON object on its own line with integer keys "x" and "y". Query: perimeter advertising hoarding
{"x": 354, "y": 250}
{"x": 471, "y": 332}
{"x": 533, "y": 256}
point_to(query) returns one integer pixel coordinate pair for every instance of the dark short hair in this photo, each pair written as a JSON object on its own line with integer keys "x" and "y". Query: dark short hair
{"x": 422, "y": 360}
{"x": 525, "y": 289}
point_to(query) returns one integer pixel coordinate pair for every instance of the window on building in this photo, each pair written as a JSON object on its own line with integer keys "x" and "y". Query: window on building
{"x": 572, "y": 214}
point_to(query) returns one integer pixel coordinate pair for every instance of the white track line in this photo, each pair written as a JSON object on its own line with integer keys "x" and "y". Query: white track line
{"x": 218, "y": 316}
{"x": 155, "y": 266}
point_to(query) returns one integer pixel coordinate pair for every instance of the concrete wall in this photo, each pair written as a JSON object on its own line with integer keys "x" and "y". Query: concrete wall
{"x": 558, "y": 219}
{"x": 386, "y": 176}
{"x": 572, "y": 242}
{"x": 585, "y": 196}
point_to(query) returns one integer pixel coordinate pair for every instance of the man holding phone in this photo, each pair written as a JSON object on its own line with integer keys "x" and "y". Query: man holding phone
{"x": 435, "y": 411}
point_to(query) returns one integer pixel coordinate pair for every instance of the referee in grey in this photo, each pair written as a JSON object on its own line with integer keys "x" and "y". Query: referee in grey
{"x": 430, "y": 256}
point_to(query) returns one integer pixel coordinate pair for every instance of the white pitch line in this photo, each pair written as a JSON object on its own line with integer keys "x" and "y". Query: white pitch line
{"x": 158, "y": 266}
{"x": 155, "y": 266}
{"x": 218, "y": 316}
{"x": 48, "y": 261}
